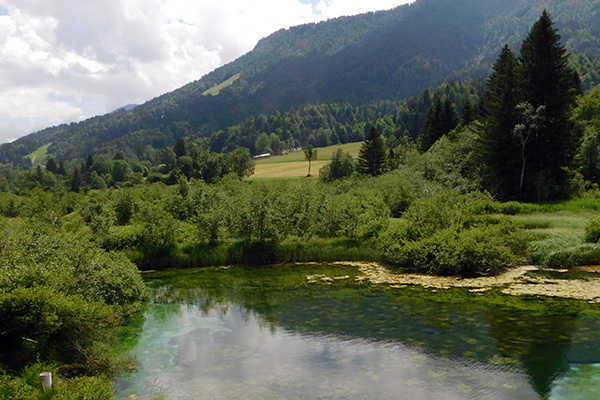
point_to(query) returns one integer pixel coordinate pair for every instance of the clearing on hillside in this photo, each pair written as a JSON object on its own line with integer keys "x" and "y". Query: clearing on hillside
{"x": 39, "y": 156}
{"x": 293, "y": 165}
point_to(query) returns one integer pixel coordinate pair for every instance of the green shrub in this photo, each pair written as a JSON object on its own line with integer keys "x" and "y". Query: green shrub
{"x": 12, "y": 389}
{"x": 510, "y": 208}
{"x": 65, "y": 296}
{"x": 27, "y": 386}
{"x": 445, "y": 236}
{"x": 84, "y": 388}
{"x": 592, "y": 230}
{"x": 476, "y": 250}
{"x": 123, "y": 237}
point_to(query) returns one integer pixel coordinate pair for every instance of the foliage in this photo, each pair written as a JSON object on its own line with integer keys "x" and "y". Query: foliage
{"x": 341, "y": 166}
{"x": 453, "y": 160}
{"x": 549, "y": 82}
{"x": 323, "y": 64}
{"x": 372, "y": 154}
{"x": 542, "y": 80}
{"x": 310, "y": 155}
{"x": 440, "y": 120}
{"x": 581, "y": 254}
{"x": 179, "y": 198}
{"x": 586, "y": 118}
{"x": 27, "y": 386}
{"x": 445, "y": 235}
{"x": 592, "y": 230}
{"x": 61, "y": 297}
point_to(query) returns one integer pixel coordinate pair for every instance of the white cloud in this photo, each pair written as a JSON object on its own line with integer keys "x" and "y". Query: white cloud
{"x": 336, "y": 8}
{"x": 115, "y": 52}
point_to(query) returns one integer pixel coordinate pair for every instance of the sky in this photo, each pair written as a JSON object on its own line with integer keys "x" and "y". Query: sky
{"x": 64, "y": 60}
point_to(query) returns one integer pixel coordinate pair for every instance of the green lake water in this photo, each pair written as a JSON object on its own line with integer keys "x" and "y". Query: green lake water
{"x": 266, "y": 333}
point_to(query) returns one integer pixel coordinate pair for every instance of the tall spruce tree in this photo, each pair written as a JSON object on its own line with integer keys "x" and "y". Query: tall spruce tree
{"x": 180, "y": 148}
{"x": 549, "y": 82}
{"x": 440, "y": 119}
{"x": 51, "y": 165}
{"x": 500, "y": 150}
{"x": 540, "y": 77}
{"x": 372, "y": 154}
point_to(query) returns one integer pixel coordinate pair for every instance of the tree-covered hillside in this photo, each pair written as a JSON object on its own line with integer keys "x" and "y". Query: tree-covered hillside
{"x": 360, "y": 60}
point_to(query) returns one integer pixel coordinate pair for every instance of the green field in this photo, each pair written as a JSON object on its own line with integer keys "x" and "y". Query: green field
{"x": 39, "y": 156}
{"x": 215, "y": 90}
{"x": 293, "y": 165}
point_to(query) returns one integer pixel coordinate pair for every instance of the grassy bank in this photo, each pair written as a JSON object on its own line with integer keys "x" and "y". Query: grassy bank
{"x": 291, "y": 250}
{"x": 559, "y": 232}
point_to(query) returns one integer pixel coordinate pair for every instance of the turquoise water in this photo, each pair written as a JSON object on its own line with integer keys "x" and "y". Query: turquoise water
{"x": 266, "y": 333}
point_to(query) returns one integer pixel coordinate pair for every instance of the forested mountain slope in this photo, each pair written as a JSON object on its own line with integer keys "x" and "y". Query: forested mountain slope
{"x": 383, "y": 56}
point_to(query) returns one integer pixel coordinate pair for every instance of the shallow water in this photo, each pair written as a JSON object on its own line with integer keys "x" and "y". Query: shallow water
{"x": 266, "y": 333}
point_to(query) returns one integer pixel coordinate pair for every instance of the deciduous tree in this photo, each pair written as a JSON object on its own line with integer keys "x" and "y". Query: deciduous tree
{"x": 310, "y": 155}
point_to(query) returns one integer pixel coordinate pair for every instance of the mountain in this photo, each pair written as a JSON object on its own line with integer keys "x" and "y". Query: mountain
{"x": 127, "y": 107}
{"x": 383, "y": 56}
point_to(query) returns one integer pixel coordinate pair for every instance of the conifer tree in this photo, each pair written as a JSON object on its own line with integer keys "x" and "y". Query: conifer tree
{"x": 549, "y": 82}
{"x": 61, "y": 168}
{"x": 51, "y": 165}
{"x": 89, "y": 162}
{"x": 372, "y": 154}
{"x": 180, "y": 148}
{"x": 500, "y": 149}
{"x": 440, "y": 119}
{"x": 468, "y": 114}
{"x": 76, "y": 183}
{"x": 540, "y": 77}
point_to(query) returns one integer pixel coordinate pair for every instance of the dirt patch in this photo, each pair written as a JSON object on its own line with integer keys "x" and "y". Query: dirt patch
{"x": 517, "y": 281}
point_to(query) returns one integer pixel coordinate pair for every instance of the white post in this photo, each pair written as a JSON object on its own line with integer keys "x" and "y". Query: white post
{"x": 46, "y": 380}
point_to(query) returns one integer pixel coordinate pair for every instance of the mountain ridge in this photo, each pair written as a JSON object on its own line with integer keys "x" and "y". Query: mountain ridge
{"x": 384, "y": 55}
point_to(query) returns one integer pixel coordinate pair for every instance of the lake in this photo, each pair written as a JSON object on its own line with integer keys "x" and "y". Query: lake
{"x": 271, "y": 333}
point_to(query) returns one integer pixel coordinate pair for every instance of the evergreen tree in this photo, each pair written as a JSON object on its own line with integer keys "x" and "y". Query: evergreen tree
{"x": 549, "y": 82}
{"x": 440, "y": 119}
{"x": 89, "y": 162}
{"x": 76, "y": 183}
{"x": 468, "y": 114}
{"x": 85, "y": 175}
{"x": 180, "y": 148}
{"x": 372, "y": 154}
{"x": 61, "y": 168}
{"x": 119, "y": 155}
{"x": 51, "y": 165}
{"x": 500, "y": 150}
{"x": 539, "y": 78}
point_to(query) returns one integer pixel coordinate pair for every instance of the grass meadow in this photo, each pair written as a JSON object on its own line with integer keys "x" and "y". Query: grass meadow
{"x": 293, "y": 165}
{"x": 558, "y": 231}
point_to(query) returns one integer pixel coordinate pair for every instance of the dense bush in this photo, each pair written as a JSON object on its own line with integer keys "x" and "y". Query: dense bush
{"x": 592, "y": 230}
{"x": 61, "y": 297}
{"x": 27, "y": 385}
{"x": 445, "y": 235}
